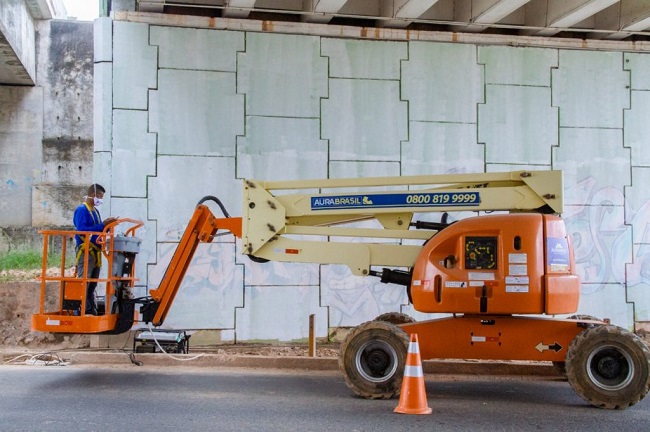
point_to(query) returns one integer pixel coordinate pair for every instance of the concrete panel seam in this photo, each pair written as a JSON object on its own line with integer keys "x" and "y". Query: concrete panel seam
{"x": 368, "y": 161}
{"x": 515, "y": 85}
{"x": 280, "y": 117}
{"x": 242, "y": 288}
{"x": 478, "y": 110}
{"x": 195, "y": 156}
{"x": 236, "y": 157}
{"x": 591, "y": 127}
{"x": 365, "y": 79}
{"x": 194, "y": 70}
{"x": 238, "y": 54}
{"x": 321, "y": 100}
{"x": 443, "y": 121}
{"x": 402, "y": 98}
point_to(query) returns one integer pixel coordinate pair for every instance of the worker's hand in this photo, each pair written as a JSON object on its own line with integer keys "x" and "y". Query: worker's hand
{"x": 110, "y": 220}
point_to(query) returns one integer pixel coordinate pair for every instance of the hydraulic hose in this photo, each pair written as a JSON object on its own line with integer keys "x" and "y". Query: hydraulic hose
{"x": 217, "y": 200}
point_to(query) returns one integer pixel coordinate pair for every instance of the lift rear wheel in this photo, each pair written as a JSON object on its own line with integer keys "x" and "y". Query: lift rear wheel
{"x": 609, "y": 367}
{"x": 372, "y": 359}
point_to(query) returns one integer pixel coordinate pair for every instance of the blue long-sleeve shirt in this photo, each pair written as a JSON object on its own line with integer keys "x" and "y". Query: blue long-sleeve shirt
{"x": 87, "y": 220}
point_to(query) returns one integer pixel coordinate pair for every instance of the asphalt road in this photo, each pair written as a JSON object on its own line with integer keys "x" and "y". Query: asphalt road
{"x": 131, "y": 398}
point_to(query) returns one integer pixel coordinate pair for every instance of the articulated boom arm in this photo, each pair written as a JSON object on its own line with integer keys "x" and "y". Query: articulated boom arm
{"x": 201, "y": 229}
{"x": 301, "y": 227}
{"x": 272, "y": 222}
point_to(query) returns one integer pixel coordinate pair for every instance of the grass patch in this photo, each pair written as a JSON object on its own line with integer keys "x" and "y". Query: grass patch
{"x": 26, "y": 260}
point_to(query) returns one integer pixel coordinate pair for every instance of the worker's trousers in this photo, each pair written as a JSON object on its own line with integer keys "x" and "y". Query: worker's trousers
{"x": 93, "y": 272}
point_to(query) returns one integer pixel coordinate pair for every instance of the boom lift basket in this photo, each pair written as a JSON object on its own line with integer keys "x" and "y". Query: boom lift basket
{"x": 63, "y": 299}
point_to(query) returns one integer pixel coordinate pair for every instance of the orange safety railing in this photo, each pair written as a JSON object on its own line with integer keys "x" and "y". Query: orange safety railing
{"x": 70, "y": 316}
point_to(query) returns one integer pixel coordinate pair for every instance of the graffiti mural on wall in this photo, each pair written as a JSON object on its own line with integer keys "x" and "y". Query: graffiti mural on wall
{"x": 603, "y": 245}
{"x": 275, "y": 273}
{"x": 638, "y": 273}
{"x": 211, "y": 289}
{"x": 355, "y": 299}
{"x": 601, "y": 239}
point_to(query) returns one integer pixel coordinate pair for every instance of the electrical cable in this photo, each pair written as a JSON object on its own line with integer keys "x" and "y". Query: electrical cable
{"x": 165, "y": 352}
{"x": 52, "y": 359}
{"x": 41, "y": 359}
{"x": 217, "y": 200}
{"x": 134, "y": 360}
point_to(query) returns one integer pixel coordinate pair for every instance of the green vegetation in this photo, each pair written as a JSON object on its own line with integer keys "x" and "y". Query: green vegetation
{"x": 26, "y": 260}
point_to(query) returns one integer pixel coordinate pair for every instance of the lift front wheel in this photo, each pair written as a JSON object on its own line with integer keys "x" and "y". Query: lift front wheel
{"x": 372, "y": 359}
{"x": 609, "y": 367}
{"x": 395, "y": 318}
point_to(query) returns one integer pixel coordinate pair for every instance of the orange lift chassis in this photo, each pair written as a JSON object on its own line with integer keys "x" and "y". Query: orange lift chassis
{"x": 500, "y": 279}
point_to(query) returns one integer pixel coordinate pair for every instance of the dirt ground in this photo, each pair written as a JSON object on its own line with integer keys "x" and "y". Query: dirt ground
{"x": 31, "y": 275}
{"x": 285, "y": 350}
{"x": 18, "y": 301}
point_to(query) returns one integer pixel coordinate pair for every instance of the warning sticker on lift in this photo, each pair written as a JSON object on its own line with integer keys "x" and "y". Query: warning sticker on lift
{"x": 518, "y": 258}
{"x": 484, "y": 339}
{"x": 517, "y": 284}
{"x": 425, "y": 199}
{"x": 518, "y": 269}
{"x": 455, "y": 284}
{"x": 524, "y": 280}
{"x": 56, "y": 322}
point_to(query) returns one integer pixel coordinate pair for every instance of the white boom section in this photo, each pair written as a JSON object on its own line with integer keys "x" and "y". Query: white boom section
{"x": 273, "y": 217}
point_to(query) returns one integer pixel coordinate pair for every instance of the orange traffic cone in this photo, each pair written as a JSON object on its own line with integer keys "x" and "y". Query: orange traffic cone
{"x": 413, "y": 396}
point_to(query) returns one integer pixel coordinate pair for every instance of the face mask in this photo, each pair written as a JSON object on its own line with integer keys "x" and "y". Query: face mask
{"x": 97, "y": 201}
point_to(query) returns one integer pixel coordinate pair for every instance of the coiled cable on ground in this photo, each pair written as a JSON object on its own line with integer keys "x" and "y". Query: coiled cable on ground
{"x": 41, "y": 359}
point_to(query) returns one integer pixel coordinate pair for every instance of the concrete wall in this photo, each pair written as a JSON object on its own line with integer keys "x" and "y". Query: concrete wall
{"x": 21, "y": 117}
{"x": 17, "y": 43}
{"x": 46, "y": 136}
{"x": 196, "y": 110}
{"x": 21, "y": 132}
{"x": 65, "y": 74}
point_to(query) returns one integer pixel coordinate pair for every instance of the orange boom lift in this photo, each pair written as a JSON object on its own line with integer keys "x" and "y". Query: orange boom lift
{"x": 501, "y": 278}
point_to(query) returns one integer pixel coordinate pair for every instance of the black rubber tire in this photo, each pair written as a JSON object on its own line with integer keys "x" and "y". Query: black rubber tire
{"x": 560, "y": 367}
{"x": 609, "y": 367}
{"x": 395, "y": 318}
{"x": 372, "y": 359}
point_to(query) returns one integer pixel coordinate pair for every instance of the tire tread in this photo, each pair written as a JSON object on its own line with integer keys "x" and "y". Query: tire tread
{"x": 370, "y": 326}
{"x": 578, "y": 350}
